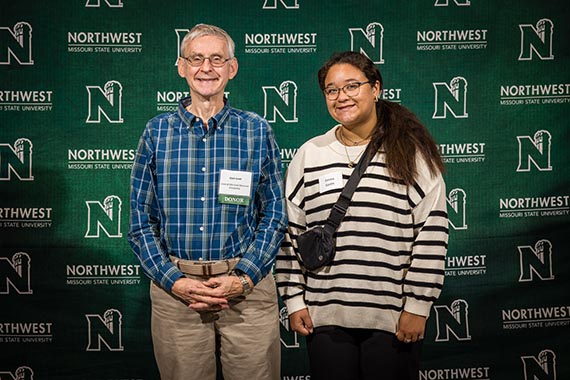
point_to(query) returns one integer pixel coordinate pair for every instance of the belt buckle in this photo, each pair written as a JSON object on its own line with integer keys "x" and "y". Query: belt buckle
{"x": 207, "y": 269}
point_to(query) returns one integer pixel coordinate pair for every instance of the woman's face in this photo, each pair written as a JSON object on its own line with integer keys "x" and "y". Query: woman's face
{"x": 351, "y": 110}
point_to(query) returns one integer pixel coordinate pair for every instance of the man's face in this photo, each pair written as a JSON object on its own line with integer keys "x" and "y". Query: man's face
{"x": 207, "y": 82}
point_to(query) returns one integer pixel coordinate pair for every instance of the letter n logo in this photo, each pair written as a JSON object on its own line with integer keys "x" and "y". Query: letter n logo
{"x": 22, "y": 373}
{"x": 456, "y": 200}
{"x": 110, "y": 3}
{"x": 272, "y": 4}
{"x": 106, "y": 102}
{"x": 180, "y": 33}
{"x": 459, "y": 3}
{"x": 105, "y": 331}
{"x": 16, "y": 160}
{"x": 535, "y": 150}
{"x": 282, "y": 101}
{"x": 369, "y": 42}
{"x": 541, "y": 368}
{"x": 452, "y": 98}
{"x": 452, "y": 321}
{"x": 289, "y": 338}
{"x": 537, "y": 261}
{"x": 16, "y": 44}
{"x": 15, "y": 274}
{"x": 104, "y": 217}
{"x": 536, "y": 39}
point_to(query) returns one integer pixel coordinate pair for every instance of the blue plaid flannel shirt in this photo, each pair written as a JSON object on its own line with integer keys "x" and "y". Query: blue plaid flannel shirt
{"x": 174, "y": 193}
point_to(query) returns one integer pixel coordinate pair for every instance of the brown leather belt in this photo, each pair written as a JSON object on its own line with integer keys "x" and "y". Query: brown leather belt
{"x": 205, "y": 268}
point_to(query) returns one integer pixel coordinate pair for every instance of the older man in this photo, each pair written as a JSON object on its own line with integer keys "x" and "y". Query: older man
{"x": 207, "y": 219}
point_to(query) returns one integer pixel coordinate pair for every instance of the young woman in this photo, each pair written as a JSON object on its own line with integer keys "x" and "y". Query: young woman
{"x": 364, "y": 315}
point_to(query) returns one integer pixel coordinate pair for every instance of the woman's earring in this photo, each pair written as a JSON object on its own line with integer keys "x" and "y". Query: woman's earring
{"x": 376, "y": 98}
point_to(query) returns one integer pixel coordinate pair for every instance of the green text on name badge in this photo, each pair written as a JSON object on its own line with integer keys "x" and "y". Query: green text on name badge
{"x": 233, "y": 199}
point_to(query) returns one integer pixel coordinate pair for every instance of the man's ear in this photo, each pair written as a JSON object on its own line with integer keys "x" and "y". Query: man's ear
{"x": 180, "y": 65}
{"x": 233, "y": 68}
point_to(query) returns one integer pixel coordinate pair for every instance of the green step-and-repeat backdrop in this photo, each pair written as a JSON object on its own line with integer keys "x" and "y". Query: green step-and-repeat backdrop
{"x": 79, "y": 79}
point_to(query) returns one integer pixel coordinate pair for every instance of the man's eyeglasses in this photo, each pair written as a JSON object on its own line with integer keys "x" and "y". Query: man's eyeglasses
{"x": 351, "y": 89}
{"x": 198, "y": 60}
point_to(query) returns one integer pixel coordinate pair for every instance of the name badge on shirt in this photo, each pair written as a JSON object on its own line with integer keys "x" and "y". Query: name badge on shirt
{"x": 235, "y": 187}
{"x": 330, "y": 182}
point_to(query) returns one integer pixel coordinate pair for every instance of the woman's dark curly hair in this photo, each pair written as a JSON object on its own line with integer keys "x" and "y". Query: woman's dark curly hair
{"x": 399, "y": 133}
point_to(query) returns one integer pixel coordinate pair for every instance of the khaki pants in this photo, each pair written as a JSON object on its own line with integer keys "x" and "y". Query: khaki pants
{"x": 184, "y": 340}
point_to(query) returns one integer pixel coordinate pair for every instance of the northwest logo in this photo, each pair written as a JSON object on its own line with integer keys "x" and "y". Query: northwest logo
{"x": 22, "y": 373}
{"x": 542, "y": 367}
{"x": 105, "y": 331}
{"x": 287, "y": 155}
{"x": 272, "y": 4}
{"x": 451, "y": 97}
{"x": 456, "y": 200}
{"x": 452, "y": 321}
{"x": 535, "y": 150}
{"x": 15, "y": 274}
{"x": 106, "y": 101}
{"x": 289, "y": 338}
{"x": 104, "y": 217}
{"x": 110, "y": 3}
{"x": 368, "y": 42}
{"x": 180, "y": 33}
{"x": 536, "y": 39}
{"x": 459, "y": 3}
{"x": 280, "y": 101}
{"x": 536, "y": 261}
{"x": 16, "y": 160}
{"x": 16, "y": 44}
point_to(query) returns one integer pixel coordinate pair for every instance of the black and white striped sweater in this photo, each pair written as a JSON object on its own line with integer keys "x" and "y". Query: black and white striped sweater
{"x": 390, "y": 246}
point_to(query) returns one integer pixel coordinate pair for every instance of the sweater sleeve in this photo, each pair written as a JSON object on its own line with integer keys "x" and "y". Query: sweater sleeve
{"x": 424, "y": 278}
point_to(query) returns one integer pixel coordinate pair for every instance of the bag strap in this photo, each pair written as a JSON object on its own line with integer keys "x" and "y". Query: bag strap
{"x": 341, "y": 206}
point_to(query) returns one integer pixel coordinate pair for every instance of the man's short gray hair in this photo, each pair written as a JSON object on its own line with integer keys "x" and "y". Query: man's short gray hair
{"x": 201, "y": 30}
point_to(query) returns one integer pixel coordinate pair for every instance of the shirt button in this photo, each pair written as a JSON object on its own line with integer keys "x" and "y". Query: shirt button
{"x": 203, "y": 199}
{"x": 203, "y": 169}
{"x": 201, "y": 228}
{"x": 204, "y": 139}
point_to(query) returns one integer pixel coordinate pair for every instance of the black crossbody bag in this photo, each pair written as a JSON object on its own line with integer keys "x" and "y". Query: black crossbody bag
{"x": 317, "y": 245}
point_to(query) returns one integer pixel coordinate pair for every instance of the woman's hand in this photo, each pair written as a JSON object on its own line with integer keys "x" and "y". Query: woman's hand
{"x": 411, "y": 327}
{"x": 301, "y": 322}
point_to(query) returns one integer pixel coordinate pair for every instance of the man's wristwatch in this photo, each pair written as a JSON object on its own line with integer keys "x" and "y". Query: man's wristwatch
{"x": 247, "y": 289}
